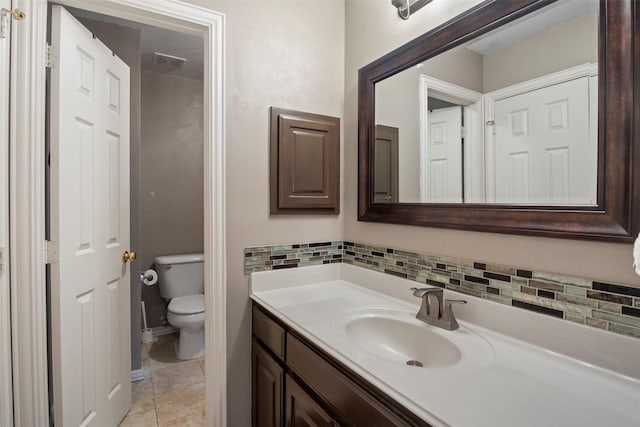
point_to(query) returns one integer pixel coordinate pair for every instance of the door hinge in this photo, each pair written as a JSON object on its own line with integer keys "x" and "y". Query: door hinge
{"x": 51, "y": 56}
{"x": 2, "y": 261}
{"x": 51, "y": 255}
{"x": 492, "y": 123}
{"x": 463, "y": 132}
{"x": 4, "y": 26}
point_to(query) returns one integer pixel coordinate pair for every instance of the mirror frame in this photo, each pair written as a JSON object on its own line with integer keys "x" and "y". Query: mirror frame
{"x": 616, "y": 217}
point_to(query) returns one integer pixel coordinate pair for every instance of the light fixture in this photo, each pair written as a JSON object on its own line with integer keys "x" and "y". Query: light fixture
{"x": 407, "y": 7}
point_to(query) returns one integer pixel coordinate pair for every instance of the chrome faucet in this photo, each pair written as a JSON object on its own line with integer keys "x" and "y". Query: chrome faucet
{"x": 435, "y": 310}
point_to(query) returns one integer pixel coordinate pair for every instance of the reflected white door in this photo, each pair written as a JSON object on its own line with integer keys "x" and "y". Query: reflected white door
{"x": 443, "y": 163}
{"x": 90, "y": 311}
{"x": 545, "y": 146}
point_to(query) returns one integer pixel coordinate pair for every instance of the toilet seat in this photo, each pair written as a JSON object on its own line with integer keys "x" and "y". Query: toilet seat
{"x": 188, "y": 304}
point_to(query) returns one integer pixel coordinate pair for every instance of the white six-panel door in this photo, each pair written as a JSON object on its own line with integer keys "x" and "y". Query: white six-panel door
{"x": 89, "y": 112}
{"x": 6, "y": 391}
{"x": 546, "y": 147}
{"x": 443, "y": 156}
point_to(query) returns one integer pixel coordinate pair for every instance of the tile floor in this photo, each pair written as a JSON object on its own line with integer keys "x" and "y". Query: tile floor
{"x": 172, "y": 392}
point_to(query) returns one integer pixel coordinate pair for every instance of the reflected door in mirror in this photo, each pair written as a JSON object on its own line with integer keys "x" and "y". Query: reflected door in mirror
{"x": 544, "y": 150}
{"x": 386, "y": 165}
{"x": 443, "y": 169}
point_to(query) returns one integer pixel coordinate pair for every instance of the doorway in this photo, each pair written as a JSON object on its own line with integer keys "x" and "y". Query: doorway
{"x": 28, "y": 194}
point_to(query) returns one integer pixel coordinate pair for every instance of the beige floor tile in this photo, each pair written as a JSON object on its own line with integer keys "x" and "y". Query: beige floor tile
{"x": 172, "y": 392}
{"x": 183, "y": 374}
{"x": 142, "y": 397}
{"x": 142, "y": 389}
{"x": 181, "y": 406}
{"x": 142, "y": 405}
{"x": 162, "y": 352}
{"x": 143, "y": 419}
{"x": 190, "y": 397}
{"x": 183, "y": 420}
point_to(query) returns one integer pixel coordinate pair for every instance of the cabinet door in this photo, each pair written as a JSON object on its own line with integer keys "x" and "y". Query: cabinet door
{"x": 267, "y": 380}
{"x": 301, "y": 410}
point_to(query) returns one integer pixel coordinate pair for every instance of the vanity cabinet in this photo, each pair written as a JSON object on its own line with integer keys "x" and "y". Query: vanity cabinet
{"x": 267, "y": 388}
{"x": 302, "y": 410}
{"x": 297, "y": 384}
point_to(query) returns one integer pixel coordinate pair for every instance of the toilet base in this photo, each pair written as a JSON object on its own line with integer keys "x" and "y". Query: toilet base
{"x": 190, "y": 344}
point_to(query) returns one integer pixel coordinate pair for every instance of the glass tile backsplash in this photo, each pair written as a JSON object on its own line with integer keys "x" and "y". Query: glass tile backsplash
{"x": 608, "y": 306}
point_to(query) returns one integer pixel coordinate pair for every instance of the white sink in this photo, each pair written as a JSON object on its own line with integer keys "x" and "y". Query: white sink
{"x": 401, "y": 342}
{"x": 396, "y": 336}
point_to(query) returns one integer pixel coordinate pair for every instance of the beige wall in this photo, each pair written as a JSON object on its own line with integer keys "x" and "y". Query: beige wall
{"x": 595, "y": 260}
{"x": 293, "y": 54}
{"x": 280, "y": 53}
{"x": 572, "y": 43}
{"x": 171, "y": 175}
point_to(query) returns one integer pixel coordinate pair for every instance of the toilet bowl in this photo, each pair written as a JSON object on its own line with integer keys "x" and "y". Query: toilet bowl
{"x": 181, "y": 281}
{"x": 187, "y": 314}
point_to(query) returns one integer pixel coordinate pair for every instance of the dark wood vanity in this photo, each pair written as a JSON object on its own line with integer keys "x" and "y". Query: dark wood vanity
{"x": 294, "y": 383}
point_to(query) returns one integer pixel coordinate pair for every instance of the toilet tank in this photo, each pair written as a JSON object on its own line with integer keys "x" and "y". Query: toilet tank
{"x": 180, "y": 275}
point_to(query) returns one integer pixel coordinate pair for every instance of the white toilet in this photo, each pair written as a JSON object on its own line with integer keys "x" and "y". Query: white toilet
{"x": 181, "y": 280}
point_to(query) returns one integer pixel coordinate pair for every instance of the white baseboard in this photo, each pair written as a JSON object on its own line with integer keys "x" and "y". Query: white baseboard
{"x": 163, "y": 330}
{"x": 137, "y": 375}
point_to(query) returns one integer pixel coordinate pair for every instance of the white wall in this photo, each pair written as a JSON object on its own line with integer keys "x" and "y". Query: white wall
{"x": 594, "y": 260}
{"x": 571, "y": 43}
{"x": 282, "y": 53}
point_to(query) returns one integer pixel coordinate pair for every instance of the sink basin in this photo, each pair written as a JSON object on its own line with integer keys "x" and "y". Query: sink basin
{"x": 403, "y": 342}
{"x": 396, "y": 336}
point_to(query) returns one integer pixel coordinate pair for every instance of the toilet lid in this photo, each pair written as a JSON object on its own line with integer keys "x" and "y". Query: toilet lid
{"x": 188, "y": 304}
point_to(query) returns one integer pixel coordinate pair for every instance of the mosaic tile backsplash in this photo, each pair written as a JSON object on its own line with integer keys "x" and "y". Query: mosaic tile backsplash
{"x": 607, "y": 306}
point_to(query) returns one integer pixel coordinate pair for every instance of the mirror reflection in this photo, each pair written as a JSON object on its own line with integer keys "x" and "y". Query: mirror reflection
{"x": 509, "y": 117}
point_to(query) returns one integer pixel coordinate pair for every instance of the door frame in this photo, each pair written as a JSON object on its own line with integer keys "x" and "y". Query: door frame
{"x": 585, "y": 70}
{"x": 27, "y": 195}
{"x": 6, "y": 395}
{"x": 473, "y": 149}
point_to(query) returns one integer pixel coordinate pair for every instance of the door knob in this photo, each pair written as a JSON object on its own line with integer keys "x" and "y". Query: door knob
{"x": 128, "y": 256}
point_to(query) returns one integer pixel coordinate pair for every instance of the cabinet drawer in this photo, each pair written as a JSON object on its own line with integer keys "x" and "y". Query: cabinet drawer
{"x": 350, "y": 404}
{"x": 268, "y": 332}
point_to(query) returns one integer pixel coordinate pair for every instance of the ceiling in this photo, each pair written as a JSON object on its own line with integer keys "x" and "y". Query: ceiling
{"x": 155, "y": 39}
{"x": 534, "y": 23}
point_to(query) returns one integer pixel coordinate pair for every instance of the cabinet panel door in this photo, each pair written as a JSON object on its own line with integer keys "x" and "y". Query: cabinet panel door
{"x": 267, "y": 380}
{"x": 305, "y": 163}
{"x": 301, "y": 410}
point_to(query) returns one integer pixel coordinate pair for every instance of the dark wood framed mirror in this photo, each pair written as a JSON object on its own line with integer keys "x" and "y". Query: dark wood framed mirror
{"x": 615, "y": 215}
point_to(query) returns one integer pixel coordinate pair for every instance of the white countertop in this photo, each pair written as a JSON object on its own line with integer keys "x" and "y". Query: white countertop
{"x": 519, "y": 384}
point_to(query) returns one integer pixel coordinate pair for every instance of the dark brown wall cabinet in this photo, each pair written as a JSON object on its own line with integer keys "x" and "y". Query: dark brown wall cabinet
{"x": 311, "y": 388}
{"x": 385, "y": 185}
{"x": 304, "y": 163}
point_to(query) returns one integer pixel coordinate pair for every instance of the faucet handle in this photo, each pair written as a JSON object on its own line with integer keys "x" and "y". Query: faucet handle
{"x": 448, "y": 302}
{"x": 420, "y": 292}
{"x": 448, "y": 315}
